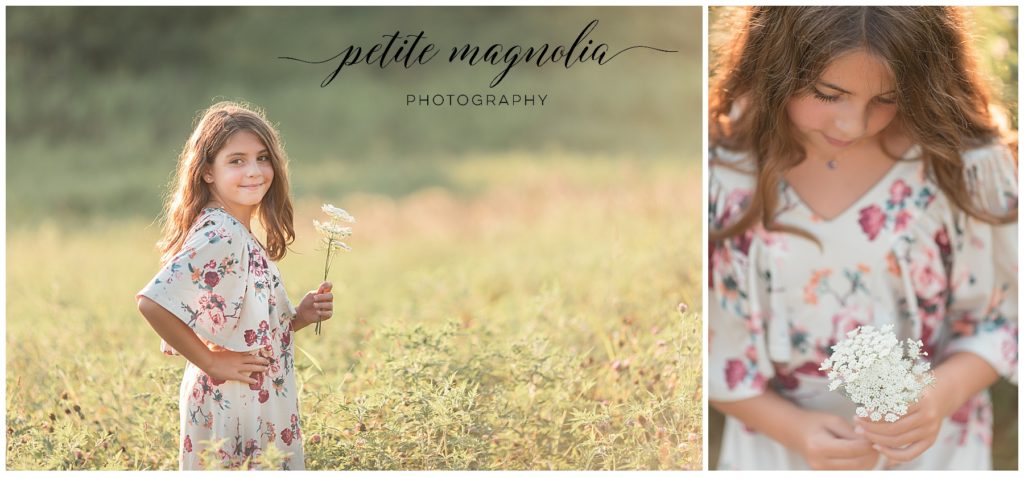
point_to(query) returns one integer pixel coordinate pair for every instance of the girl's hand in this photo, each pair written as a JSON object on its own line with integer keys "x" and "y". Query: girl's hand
{"x": 223, "y": 365}
{"x": 907, "y": 438}
{"x": 830, "y": 443}
{"x": 316, "y": 304}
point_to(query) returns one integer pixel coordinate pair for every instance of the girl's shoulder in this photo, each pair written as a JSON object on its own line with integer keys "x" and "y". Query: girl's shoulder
{"x": 730, "y": 170}
{"x": 216, "y": 222}
{"x": 990, "y": 173}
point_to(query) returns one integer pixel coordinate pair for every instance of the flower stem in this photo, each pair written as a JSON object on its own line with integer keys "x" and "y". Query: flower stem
{"x": 327, "y": 267}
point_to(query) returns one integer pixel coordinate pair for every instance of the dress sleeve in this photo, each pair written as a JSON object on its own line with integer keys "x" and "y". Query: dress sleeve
{"x": 205, "y": 284}
{"x": 983, "y": 279}
{"x": 738, "y": 363}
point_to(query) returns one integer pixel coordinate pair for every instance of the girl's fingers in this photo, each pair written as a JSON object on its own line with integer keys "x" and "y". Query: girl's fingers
{"x": 896, "y": 441}
{"x": 904, "y": 454}
{"x": 865, "y": 462}
{"x": 328, "y": 297}
{"x": 905, "y": 424}
{"x": 851, "y": 449}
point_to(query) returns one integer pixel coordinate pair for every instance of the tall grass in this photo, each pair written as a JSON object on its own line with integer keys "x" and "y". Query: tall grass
{"x": 529, "y": 325}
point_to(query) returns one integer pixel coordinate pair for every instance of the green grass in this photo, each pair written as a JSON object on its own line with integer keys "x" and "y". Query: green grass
{"x": 522, "y": 316}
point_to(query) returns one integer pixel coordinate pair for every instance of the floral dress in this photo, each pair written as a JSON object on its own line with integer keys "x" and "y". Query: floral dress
{"x": 224, "y": 287}
{"x": 902, "y": 254}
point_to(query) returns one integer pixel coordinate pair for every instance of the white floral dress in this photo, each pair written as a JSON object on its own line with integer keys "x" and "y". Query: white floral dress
{"x": 902, "y": 254}
{"x": 224, "y": 287}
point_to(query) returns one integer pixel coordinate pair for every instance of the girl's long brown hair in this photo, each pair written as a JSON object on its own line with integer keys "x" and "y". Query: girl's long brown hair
{"x": 190, "y": 193}
{"x": 779, "y": 52}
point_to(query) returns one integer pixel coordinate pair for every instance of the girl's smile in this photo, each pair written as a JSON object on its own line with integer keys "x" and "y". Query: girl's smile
{"x": 241, "y": 174}
{"x": 853, "y": 100}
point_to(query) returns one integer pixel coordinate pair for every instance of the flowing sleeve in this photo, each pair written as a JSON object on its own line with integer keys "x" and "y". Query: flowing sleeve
{"x": 738, "y": 363}
{"x": 205, "y": 284}
{"x": 983, "y": 279}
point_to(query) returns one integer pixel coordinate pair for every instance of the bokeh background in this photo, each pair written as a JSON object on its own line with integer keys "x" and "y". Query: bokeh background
{"x": 994, "y": 33}
{"x": 512, "y": 298}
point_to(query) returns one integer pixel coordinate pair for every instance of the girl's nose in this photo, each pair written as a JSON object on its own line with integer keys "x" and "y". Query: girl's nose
{"x": 852, "y": 121}
{"x": 253, "y": 169}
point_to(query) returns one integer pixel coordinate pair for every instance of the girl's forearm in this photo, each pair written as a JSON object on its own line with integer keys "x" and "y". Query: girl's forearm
{"x": 175, "y": 333}
{"x": 960, "y": 377}
{"x": 769, "y": 414}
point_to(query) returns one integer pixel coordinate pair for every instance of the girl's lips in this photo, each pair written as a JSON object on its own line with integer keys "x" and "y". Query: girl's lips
{"x": 836, "y": 142}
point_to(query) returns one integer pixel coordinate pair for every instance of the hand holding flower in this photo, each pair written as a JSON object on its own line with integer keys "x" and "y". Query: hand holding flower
{"x": 317, "y": 305}
{"x": 910, "y": 436}
{"x": 829, "y": 443}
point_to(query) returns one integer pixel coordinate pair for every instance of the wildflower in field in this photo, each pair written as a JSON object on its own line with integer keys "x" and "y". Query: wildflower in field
{"x": 332, "y": 233}
{"x": 882, "y": 375}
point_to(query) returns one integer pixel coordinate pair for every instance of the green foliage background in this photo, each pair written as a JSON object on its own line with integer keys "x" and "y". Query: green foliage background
{"x": 511, "y": 299}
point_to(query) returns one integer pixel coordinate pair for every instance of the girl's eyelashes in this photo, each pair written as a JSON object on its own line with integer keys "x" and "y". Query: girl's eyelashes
{"x": 823, "y": 97}
{"x": 263, "y": 158}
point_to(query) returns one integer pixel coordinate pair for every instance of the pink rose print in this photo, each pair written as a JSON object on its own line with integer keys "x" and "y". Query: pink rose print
{"x": 734, "y": 373}
{"x": 286, "y": 436}
{"x": 902, "y": 219}
{"x": 250, "y": 337}
{"x": 942, "y": 240}
{"x": 286, "y": 338}
{"x": 216, "y": 382}
{"x": 928, "y": 282}
{"x": 899, "y": 191}
{"x": 259, "y": 381}
{"x": 847, "y": 319}
{"x": 188, "y": 444}
{"x": 211, "y": 278}
{"x": 872, "y": 220}
{"x": 758, "y": 382}
{"x": 264, "y": 395}
{"x": 751, "y": 353}
{"x": 213, "y": 304}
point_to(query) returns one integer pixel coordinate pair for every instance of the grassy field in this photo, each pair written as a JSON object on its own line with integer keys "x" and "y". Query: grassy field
{"x": 524, "y": 318}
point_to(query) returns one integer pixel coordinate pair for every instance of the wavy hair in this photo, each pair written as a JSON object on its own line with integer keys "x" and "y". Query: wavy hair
{"x": 780, "y": 52}
{"x": 189, "y": 193}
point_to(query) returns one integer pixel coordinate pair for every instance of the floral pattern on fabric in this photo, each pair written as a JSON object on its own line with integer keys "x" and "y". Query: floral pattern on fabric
{"x": 223, "y": 287}
{"x": 903, "y": 255}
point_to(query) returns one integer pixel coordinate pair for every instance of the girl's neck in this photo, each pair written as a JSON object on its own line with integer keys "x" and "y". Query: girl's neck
{"x": 243, "y": 217}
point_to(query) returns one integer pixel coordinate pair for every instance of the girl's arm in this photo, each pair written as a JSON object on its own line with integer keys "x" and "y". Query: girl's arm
{"x": 221, "y": 365}
{"x": 827, "y": 442}
{"x": 957, "y": 379}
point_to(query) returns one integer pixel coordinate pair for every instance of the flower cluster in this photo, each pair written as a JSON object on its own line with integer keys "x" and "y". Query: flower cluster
{"x": 882, "y": 375}
{"x": 333, "y": 233}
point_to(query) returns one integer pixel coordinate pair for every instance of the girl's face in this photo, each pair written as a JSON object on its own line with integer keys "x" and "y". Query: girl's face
{"x": 854, "y": 100}
{"x": 241, "y": 173}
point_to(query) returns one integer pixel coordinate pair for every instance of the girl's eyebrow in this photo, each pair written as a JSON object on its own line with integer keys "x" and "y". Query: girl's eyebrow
{"x": 834, "y": 87}
{"x": 236, "y": 153}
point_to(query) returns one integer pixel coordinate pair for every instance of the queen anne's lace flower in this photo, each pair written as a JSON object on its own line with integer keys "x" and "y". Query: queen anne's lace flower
{"x": 337, "y": 213}
{"x": 332, "y": 233}
{"x": 877, "y": 372}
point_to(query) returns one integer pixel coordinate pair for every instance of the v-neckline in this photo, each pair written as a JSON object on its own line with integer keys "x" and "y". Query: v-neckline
{"x": 911, "y": 152}
{"x": 233, "y": 218}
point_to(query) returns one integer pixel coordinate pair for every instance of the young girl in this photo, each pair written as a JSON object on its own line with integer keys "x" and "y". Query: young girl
{"x": 219, "y": 300}
{"x": 857, "y": 178}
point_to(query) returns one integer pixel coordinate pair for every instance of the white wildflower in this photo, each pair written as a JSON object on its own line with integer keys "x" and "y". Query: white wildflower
{"x": 878, "y": 372}
{"x": 332, "y": 233}
{"x": 337, "y": 213}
